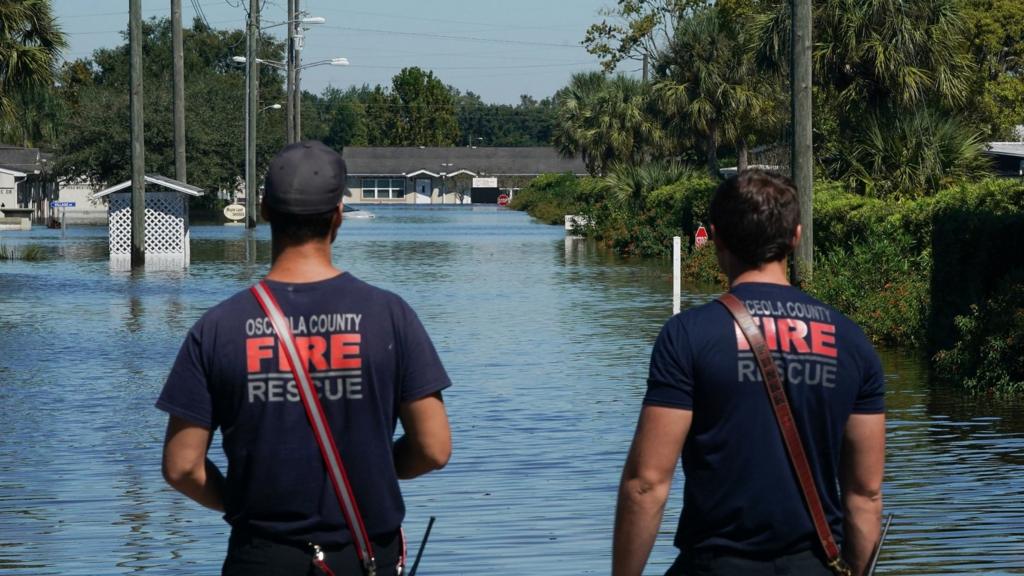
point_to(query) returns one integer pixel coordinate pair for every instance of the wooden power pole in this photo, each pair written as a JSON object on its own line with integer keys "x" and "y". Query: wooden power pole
{"x": 297, "y": 82}
{"x": 253, "y": 111}
{"x": 138, "y": 142}
{"x": 177, "y": 47}
{"x": 802, "y": 148}
{"x": 290, "y": 61}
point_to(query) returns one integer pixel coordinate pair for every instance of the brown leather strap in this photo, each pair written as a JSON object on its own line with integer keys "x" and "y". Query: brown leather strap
{"x": 784, "y": 416}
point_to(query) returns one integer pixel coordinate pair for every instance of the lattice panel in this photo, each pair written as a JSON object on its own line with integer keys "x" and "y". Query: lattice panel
{"x": 120, "y": 221}
{"x": 165, "y": 224}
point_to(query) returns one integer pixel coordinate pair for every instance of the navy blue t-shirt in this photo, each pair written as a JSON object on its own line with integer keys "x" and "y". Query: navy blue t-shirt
{"x": 741, "y": 495}
{"x": 366, "y": 351}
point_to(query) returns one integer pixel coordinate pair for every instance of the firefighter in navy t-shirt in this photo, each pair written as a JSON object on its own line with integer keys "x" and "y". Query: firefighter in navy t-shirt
{"x": 371, "y": 362}
{"x": 743, "y": 512}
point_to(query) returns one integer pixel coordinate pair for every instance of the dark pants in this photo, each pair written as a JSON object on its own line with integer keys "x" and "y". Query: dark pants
{"x": 718, "y": 564}
{"x": 252, "y": 555}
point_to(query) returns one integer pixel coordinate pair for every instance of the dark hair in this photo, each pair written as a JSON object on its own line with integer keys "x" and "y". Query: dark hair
{"x": 755, "y": 214}
{"x": 295, "y": 229}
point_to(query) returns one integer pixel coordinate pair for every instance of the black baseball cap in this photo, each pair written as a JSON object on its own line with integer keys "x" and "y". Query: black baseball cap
{"x": 306, "y": 177}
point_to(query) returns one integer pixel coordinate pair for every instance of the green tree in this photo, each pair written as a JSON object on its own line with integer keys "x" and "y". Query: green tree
{"x": 709, "y": 86}
{"x": 995, "y": 37}
{"x": 423, "y": 109}
{"x": 881, "y": 67}
{"x": 31, "y": 42}
{"x": 606, "y": 120}
{"x": 634, "y": 30}
{"x": 95, "y": 138}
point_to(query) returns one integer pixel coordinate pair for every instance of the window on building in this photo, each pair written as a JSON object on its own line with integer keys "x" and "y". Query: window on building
{"x": 383, "y": 188}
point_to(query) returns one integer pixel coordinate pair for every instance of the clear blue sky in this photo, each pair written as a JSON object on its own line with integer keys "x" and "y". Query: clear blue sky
{"x": 496, "y": 48}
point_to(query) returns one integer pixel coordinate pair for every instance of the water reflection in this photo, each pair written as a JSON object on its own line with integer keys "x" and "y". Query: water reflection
{"x": 546, "y": 339}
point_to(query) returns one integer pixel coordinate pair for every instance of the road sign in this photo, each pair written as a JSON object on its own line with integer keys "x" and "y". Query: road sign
{"x": 701, "y": 237}
{"x": 56, "y": 204}
{"x": 502, "y": 199}
{"x": 234, "y": 212}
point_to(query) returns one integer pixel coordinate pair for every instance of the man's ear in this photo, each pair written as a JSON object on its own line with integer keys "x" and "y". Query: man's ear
{"x": 336, "y": 220}
{"x": 797, "y": 236}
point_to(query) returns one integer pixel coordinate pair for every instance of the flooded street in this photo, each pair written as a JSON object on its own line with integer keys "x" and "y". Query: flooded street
{"x": 547, "y": 342}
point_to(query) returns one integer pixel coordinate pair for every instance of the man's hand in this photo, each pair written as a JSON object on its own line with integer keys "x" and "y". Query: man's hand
{"x": 861, "y": 468}
{"x": 427, "y": 442}
{"x": 644, "y": 489}
{"x": 186, "y": 467}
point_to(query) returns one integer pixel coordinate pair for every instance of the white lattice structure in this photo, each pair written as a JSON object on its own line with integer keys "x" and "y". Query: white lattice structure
{"x": 167, "y": 229}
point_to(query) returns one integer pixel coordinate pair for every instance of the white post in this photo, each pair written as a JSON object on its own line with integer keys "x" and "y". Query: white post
{"x": 677, "y": 245}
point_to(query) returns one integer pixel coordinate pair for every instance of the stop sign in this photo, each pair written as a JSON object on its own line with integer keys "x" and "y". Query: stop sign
{"x": 503, "y": 200}
{"x": 701, "y": 237}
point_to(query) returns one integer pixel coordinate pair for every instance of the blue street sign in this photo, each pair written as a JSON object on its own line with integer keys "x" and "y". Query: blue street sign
{"x": 62, "y": 204}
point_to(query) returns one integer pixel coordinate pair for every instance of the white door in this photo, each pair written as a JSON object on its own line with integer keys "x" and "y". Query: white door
{"x": 423, "y": 192}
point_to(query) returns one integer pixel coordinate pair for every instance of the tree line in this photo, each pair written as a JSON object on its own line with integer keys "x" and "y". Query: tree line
{"x": 905, "y": 91}
{"x": 80, "y": 109}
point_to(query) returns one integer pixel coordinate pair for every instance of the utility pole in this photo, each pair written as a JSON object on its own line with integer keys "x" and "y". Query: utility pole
{"x": 252, "y": 110}
{"x": 646, "y": 76}
{"x": 802, "y": 148}
{"x": 138, "y": 142}
{"x": 290, "y": 61}
{"x": 297, "y": 84}
{"x": 177, "y": 47}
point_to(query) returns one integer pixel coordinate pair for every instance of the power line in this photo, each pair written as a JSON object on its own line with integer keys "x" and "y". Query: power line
{"x": 453, "y": 37}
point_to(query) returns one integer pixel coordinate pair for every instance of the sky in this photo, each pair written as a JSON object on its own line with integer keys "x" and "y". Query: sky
{"x": 498, "y": 49}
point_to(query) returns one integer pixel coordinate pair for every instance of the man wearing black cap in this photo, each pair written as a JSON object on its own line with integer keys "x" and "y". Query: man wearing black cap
{"x": 372, "y": 364}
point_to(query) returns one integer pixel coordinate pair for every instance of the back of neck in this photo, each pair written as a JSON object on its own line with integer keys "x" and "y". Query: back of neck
{"x": 309, "y": 262}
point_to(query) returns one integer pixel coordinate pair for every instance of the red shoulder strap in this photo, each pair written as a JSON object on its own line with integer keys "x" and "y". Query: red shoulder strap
{"x": 787, "y": 425}
{"x": 318, "y": 421}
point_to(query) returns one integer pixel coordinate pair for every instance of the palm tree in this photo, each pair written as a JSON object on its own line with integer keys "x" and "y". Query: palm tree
{"x": 606, "y": 120}
{"x": 915, "y": 154}
{"x": 30, "y": 46}
{"x": 709, "y": 87}
{"x": 575, "y": 109}
{"x": 879, "y": 53}
{"x": 630, "y": 184}
{"x": 881, "y": 69}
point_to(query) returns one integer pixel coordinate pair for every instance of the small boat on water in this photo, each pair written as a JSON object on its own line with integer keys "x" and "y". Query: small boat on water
{"x": 355, "y": 213}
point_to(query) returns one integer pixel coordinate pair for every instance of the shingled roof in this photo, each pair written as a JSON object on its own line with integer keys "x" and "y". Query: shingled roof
{"x": 483, "y": 160}
{"x": 26, "y": 160}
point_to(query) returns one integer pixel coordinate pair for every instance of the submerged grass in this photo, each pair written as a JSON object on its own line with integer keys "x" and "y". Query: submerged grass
{"x": 30, "y": 253}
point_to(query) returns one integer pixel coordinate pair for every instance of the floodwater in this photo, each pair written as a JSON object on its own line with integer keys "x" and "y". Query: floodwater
{"x": 546, "y": 339}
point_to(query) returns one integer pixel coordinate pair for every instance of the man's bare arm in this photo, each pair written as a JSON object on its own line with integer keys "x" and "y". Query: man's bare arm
{"x": 427, "y": 442}
{"x": 862, "y": 467}
{"x": 186, "y": 467}
{"x": 646, "y": 481}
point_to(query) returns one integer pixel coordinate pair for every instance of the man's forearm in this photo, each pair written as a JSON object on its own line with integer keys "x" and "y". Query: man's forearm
{"x": 412, "y": 460}
{"x": 205, "y": 486}
{"x": 637, "y": 519}
{"x": 862, "y": 528}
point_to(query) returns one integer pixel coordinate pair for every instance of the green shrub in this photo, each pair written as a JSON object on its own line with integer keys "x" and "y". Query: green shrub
{"x": 882, "y": 284}
{"x": 700, "y": 266}
{"x": 987, "y": 354}
{"x": 549, "y": 197}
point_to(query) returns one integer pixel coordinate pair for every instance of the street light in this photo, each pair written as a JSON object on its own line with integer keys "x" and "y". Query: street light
{"x": 272, "y": 106}
{"x": 339, "y": 61}
{"x": 306, "y": 20}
